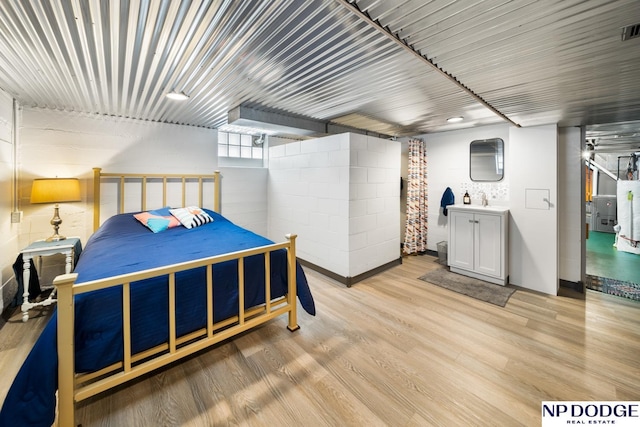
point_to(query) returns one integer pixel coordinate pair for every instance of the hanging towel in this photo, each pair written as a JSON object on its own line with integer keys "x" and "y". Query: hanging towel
{"x": 34, "y": 283}
{"x": 447, "y": 199}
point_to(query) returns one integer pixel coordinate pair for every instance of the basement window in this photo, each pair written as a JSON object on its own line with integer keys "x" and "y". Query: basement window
{"x": 239, "y": 146}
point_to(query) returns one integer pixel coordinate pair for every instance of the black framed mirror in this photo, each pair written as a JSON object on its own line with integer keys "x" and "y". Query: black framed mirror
{"x": 486, "y": 160}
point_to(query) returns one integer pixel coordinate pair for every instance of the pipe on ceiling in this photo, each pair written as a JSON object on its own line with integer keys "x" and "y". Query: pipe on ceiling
{"x": 385, "y": 31}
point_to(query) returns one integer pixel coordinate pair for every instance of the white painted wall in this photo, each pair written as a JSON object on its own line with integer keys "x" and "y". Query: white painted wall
{"x": 8, "y": 232}
{"x": 448, "y": 166}
{"x": 533, "y": 233}
{"x": 404, "y": 172}
{"x": 244, "y": 197}
{"x": 60, "y": 143}
{"x": 67, "y": 144}
{"x": 531, "y": 162}
{"x": 308, "y": 192}
{"x": 374, "y": 203}
{"x": 70, "y": 144}
{"x": 340, "y": 195}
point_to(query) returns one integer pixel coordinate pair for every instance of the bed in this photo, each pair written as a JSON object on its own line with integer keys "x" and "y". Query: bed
{"x": 138, "y": 300}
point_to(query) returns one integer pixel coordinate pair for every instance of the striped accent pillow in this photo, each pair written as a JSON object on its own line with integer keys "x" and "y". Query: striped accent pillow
{"x": 191, "y": 216}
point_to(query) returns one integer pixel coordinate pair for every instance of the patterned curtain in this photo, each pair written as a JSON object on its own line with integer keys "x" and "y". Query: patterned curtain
{"x": 415, "y": 234}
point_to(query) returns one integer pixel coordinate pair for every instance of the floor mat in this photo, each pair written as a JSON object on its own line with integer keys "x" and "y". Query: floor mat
{"x": 614, "y": 287}
{"x": 475, "y": 288}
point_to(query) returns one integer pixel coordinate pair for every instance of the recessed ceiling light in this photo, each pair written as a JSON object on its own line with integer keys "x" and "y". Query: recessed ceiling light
{"x": 455, "y": 119}
{"x": 177, "y": 96}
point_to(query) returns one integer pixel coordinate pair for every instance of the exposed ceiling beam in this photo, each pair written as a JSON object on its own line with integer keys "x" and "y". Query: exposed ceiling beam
{"x": 276, "y": 123}
{"x": 602, "y": 169}
{"x": 255, "y": 120}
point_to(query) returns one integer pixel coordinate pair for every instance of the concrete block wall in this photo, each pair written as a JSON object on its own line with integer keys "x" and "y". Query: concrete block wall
{"x": 244, "y": 197}
{"x": 374, "y": 203}
{"x": 68, "y": 144}
{"x": 308, "y": 192}
{"x": 8, "y": 231}
{"x": 340, "y": 195}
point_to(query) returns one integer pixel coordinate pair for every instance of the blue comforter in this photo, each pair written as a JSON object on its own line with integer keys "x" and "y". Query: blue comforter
{"x": 123, "y": 245}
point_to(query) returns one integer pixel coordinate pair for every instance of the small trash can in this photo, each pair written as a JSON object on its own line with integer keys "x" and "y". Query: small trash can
{"x": 442, "y": 252}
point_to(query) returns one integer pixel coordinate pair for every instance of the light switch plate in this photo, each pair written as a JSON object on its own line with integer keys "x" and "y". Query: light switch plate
{"x": 16, "y": 217}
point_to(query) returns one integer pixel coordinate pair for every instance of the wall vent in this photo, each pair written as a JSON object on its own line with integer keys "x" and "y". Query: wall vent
{"x": 630, "y": 32}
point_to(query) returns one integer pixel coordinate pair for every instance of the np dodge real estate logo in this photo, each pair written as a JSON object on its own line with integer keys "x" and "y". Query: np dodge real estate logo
{"x": 619, "y": 414}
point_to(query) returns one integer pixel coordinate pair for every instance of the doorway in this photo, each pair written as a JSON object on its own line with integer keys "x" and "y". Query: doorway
{"x": 610, "y": 149}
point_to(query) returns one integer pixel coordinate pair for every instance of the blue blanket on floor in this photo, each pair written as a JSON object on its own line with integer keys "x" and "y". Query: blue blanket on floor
{"x": 123, "y": 245}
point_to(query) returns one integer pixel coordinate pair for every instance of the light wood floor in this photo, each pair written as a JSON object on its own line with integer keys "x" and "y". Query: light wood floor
{"x": 390, "y": 351}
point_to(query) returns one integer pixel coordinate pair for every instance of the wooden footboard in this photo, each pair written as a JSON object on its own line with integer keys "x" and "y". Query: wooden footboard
{"x": 74, "y": 387}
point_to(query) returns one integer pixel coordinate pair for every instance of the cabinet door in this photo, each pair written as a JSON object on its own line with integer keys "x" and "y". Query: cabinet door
{"x": 461, "y": 237}
{"x": 488, "y": 238}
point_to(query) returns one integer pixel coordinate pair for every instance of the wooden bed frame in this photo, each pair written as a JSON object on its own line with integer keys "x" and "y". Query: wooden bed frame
{"x": 74, "y": 387}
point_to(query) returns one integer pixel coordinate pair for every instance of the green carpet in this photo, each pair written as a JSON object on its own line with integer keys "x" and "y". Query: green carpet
{"x": 604, "y": 260}
{"x": 609, "y": 270}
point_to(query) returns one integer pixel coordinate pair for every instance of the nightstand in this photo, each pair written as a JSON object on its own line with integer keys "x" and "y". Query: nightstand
{"x": 70, "y": 247}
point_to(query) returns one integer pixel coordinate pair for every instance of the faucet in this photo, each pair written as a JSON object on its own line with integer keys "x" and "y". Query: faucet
{"x": 485, "y": 202}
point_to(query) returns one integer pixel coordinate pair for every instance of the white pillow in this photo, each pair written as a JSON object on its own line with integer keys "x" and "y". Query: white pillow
{"x": 191, "y": 216}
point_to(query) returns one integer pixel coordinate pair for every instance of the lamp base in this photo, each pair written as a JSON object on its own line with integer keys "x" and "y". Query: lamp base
{"x": 56, "y": 221}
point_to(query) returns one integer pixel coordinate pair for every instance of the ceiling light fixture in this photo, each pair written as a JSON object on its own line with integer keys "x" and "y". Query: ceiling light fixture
{"x": 589, "y": 151}
{"x": 455, "y": 119}
{"x": 177, "y": 96}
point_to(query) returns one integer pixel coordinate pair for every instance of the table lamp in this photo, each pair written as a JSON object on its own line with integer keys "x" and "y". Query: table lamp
{"x": 55, "y": 190}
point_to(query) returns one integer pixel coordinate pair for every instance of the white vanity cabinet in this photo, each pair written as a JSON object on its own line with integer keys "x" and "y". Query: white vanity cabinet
{"x": 478, "y": 238}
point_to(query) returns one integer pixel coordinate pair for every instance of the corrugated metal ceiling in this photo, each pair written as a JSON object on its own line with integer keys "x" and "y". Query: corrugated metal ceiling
{"x": 536, "y": 62}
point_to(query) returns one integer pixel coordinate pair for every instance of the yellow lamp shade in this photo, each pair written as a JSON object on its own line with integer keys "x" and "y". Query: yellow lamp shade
{"x": 55, "y": 190}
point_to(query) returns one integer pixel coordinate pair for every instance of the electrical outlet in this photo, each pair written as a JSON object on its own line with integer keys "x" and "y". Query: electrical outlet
{"x": 16, "y": 217}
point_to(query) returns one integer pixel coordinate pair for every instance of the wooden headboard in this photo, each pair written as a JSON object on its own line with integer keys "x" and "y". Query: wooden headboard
{"x": 142, "y": 178}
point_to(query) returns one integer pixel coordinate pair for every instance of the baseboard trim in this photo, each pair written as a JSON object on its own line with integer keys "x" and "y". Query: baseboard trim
{"x": 349, "y": 281}
{"x": 574, "y": 286}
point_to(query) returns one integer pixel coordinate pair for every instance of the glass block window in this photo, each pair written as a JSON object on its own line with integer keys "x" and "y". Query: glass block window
{"x": 238, "y": 145}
